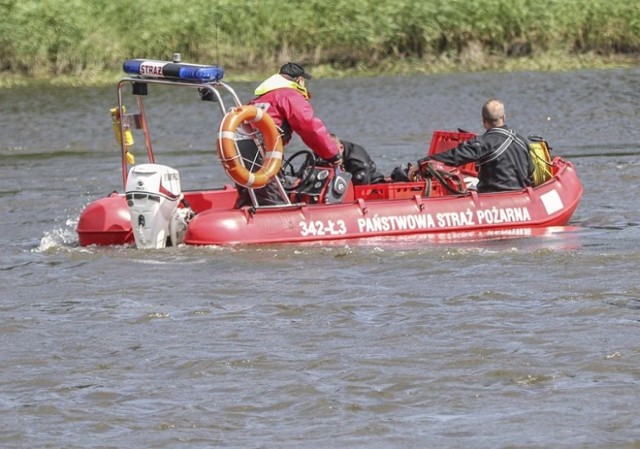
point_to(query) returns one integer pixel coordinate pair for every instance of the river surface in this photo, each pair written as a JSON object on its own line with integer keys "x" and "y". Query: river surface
{"x": 521, "y": 342}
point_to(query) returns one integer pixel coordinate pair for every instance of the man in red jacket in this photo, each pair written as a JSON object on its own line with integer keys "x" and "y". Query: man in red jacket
{"x": 285, "y": 98}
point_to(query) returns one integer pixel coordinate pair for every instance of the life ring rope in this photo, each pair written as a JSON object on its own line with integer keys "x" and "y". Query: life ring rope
{"x": 230, "y": 156}
{"x": 228, "y": 134}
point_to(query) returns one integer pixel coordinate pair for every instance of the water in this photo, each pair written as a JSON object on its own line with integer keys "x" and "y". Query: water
{"x": 527, "y": 342}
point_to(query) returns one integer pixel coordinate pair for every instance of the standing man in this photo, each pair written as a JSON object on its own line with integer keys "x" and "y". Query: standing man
{"x": 285, "y": 98}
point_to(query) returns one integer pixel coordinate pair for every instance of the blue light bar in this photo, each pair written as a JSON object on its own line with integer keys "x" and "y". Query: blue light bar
{"x": 149, "y": 68}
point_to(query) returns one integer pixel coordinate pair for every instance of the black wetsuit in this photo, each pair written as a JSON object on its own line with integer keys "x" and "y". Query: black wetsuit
{"x": 357, "y": 161}
{"x": 502, "y": 156}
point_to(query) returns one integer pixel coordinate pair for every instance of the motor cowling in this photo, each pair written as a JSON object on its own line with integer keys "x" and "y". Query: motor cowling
{"x": 153, "y": 195}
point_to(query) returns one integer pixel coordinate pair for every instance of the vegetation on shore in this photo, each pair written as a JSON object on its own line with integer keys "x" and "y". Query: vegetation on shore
{"x": 72, "y": 40}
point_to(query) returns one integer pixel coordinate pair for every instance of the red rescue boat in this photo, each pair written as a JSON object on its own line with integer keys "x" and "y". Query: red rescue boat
{"x": 319, "y": 204}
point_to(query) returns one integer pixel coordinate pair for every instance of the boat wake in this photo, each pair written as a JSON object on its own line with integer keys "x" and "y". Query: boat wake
{"x": 60, "y": 238}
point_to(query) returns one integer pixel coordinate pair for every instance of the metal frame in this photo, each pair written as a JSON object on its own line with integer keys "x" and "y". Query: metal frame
{"x": 138, "y": 120}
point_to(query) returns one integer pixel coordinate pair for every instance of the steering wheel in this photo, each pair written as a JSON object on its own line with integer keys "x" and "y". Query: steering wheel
{"x": 297, "y": 173}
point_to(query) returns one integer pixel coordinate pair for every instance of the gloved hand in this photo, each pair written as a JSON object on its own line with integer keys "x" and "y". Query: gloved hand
{"x": 439, "y": 166}
{"x": 426, "y": 163}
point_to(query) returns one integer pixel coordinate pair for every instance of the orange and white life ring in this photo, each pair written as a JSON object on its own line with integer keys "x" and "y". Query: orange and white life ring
{"x": 228, "y": 149}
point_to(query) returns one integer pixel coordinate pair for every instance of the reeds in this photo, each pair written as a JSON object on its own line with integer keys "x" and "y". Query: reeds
{"x": 71, "y": 37}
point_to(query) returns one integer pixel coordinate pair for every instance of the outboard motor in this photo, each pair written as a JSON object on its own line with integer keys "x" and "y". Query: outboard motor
{"x": 153, "y": 194}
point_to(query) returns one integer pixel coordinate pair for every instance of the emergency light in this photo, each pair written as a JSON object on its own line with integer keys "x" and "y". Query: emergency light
{"x": 173, "y": 70}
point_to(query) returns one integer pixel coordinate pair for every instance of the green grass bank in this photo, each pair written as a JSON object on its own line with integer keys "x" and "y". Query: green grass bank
{"x": 85, "y": 42}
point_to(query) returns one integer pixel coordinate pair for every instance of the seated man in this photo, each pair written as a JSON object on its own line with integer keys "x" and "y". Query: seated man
{"x": 502, "y": 155}
{"x": 357, "y": 161}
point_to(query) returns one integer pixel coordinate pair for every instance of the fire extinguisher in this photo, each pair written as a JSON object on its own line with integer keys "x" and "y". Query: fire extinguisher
{"x": 128, "y": 135}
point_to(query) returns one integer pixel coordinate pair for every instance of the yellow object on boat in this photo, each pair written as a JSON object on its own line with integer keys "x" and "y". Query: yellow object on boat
{"x": 130, "y": 158}
{"x": 542, "y": 162}
{"x": 128, "y": 135}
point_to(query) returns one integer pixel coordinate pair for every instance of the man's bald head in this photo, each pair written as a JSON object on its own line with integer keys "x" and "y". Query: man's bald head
{"x": 493, "y": 113}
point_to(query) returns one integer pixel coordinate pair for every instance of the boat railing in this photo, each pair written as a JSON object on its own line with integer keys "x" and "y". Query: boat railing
{"x": 214, "y": 91}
